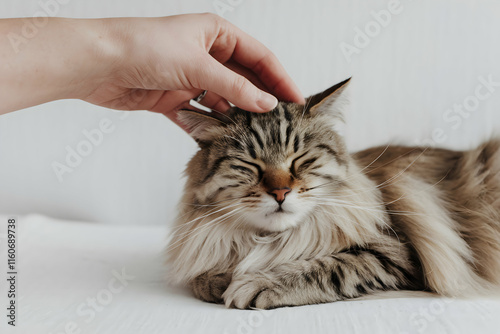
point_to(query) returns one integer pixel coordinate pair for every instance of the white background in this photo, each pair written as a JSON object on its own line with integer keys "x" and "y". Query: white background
{"x": 427, "y": 59}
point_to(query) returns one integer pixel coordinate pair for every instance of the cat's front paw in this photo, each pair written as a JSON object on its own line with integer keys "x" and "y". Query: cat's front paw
{"x": 252, "y": 291}
{"x": 210, "y": 287}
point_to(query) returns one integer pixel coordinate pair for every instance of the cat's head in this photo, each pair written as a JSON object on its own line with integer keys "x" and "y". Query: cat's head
{"x": 268, "y": 171}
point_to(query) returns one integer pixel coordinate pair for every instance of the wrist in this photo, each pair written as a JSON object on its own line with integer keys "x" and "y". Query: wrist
{"x": 97, "y": 56}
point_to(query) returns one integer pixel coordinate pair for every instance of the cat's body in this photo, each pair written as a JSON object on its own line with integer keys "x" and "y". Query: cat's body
{"x": 276, "y": 212}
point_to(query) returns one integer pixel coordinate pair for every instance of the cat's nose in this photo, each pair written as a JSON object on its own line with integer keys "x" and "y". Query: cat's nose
{"x": 279, "y": 194}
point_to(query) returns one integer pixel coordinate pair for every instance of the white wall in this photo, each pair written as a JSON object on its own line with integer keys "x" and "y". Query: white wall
{"x": 426, "y": 60}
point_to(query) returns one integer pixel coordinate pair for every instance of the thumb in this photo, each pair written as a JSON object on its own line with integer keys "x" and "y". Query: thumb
{"x": 235, "y": 88}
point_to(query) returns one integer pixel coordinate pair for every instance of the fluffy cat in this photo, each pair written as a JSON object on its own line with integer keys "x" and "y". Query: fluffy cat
{"x": 276, "y": 212}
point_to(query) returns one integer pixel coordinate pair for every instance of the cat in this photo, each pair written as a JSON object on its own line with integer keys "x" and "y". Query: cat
{"x": 276, "y": 212}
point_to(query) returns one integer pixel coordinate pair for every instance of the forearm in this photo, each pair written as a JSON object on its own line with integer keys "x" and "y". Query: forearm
{"x": 66, "y": 58}
{"x": 155, "y": 64}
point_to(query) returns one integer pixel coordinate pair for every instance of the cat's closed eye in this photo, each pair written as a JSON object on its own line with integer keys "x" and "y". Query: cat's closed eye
{"x": 247, "y": 167}
{"x": 293, "y": 168}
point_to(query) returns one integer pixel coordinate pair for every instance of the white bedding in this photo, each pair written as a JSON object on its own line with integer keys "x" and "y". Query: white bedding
{"x": 430, "y": 58}
{"x": 63, "y": 265}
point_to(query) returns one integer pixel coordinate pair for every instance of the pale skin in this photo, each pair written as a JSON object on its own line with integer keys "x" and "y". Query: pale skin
{"x": 155, "y": 64}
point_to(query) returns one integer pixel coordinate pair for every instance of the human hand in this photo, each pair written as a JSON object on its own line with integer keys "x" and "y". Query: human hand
{"x": 165, "y": 62}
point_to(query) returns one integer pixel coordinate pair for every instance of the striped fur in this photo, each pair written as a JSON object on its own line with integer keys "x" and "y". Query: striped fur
{"x": 385, "y": 219}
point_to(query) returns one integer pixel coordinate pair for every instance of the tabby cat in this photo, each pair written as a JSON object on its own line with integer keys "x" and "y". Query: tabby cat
{"x": 276, "y": 212}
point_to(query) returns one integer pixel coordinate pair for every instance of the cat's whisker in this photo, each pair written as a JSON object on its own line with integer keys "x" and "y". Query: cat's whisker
{"x": 199, "y": 229}
{"x": 222, "y": 220}
{"x": 384, "y": 223}
{"x": 334, "y": 227}
{"x": 235, "y": 225}
{"x": 383, "y": 165}
{"x": 404, "y": 195}
{"x": 390, "y": 161}
{"x": 376, "y": 159}
{"x": 198, "y": 208}
{"x": 322, "y": 185}
{"x": 365, "y": 207}
{"x": 371, "y": 163}
{"x": 211, "y": 212}
{"x": 324, "y": 201}
{"x": 217, "y": 202}
{"x": 381, "y": 186}
{"x": 393, "y": 178}
{"x": 360, "y": 206}
{"x": 388, "y": 182}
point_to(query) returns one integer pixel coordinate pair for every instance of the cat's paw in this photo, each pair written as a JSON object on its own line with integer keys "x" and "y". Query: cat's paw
{"x": 210, "y": 287}
{"x": 252, "y": 291}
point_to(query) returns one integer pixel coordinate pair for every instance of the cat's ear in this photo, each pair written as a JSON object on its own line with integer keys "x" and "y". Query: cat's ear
{"x": 331, "y": 101}
{"x": 202, "y": 126}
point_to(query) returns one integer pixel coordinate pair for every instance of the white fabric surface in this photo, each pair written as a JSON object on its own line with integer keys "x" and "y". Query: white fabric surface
{"x": 426, "y": 60}
{"x": 63, "y": 263}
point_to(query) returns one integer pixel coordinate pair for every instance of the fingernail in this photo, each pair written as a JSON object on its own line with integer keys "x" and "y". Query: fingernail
{"x": 267, "y": 101}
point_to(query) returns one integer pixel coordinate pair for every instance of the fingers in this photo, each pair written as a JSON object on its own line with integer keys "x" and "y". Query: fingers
{"x": 173, "y": 101}
{"x": 242, "y": 70}
{"x": 261, "y": 61}
{"x": 234, "y": 87}
{"x": 215, "y": 102}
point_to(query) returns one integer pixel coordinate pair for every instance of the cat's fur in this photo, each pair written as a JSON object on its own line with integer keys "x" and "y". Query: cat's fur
{"x": 387, "y": 218}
